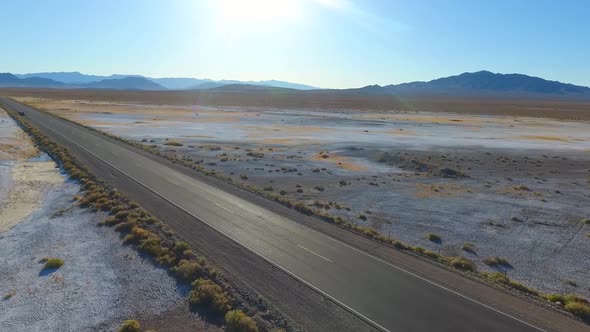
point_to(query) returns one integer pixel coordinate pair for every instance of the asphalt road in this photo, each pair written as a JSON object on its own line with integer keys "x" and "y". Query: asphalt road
{"x": 379, "y": 292}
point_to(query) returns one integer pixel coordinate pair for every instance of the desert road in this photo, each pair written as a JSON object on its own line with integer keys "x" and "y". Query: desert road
{"x": 388, "y": 297}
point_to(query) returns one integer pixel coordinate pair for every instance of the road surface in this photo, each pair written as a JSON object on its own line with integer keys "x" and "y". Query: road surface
{"x": 383, "y": 294}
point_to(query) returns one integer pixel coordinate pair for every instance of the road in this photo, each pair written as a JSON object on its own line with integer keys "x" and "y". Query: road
{"x": 379, "y": 292}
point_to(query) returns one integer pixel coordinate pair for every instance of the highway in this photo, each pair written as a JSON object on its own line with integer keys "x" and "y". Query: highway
{"x": 388, "y": 297}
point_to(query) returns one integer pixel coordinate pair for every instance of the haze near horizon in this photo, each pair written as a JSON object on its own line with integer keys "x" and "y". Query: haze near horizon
{"x": 324, "y": 43}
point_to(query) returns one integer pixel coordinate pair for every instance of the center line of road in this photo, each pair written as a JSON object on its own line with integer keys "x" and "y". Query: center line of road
{"x": 315, "y": 253}
{"x": 226, "y": 209}
{"x": 138, "y": 165}
{"x": 113, "y": 152}
{"x": 172, "y": 182}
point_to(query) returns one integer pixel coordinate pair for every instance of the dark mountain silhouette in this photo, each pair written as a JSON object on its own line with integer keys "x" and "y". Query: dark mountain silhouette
{"x": 9, "y": 80}
{"x": 485, "y": 82}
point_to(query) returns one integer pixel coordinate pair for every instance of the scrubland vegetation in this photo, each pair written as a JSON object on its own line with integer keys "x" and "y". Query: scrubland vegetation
{"x": 237, "y": 321}
{"x": 130, "y": 326}
{"x": 147, "y": 234}
{"x": 142, "y": 231}
{"x": 52, "y": 263}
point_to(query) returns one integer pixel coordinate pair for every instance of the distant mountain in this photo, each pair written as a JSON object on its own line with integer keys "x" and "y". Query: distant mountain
{"x": 482, "y": 83}
{"x": 66, "y": 77}
{"x": 485, "y": 82}
{"x": 173, "y": 83}
{"x": 210, "y": 84}
{"x": 10, "y": 80}
{"x": 283, "y": 84}
{"x": 250, "y": 88}
{"x": 126, "y": 83}
{"x": 179, "y": 83}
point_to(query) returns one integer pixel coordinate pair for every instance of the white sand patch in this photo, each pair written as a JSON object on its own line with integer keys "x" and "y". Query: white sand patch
{"x": 30, "y": 183}
{"x": 25, "y": 183}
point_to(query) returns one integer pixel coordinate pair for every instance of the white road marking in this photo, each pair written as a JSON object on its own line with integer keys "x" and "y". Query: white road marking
{"x": 365, "y": 318}
{"x": 172, "y": 182}
{"x": 315, "y": 253}
{"x": 113, "y": 152}
{"x": 138, "y": 165}
{"x": 226, "y": 209}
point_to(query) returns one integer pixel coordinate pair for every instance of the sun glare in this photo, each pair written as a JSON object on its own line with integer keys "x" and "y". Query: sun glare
{"x": 257, "y": 11}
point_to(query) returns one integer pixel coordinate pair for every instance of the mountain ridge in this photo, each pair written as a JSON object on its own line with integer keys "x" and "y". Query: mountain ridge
{"x": 173, "y": 83}
{"x": 469, "y": 84}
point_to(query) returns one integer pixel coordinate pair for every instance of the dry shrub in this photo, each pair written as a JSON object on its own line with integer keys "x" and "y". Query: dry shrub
{"x": 206, "y": 292}
{"x": 237, "y": 321}
{"x": 130, "y": 325}
{"x": 462, "y": 263}
{"x": 188, "y": 270}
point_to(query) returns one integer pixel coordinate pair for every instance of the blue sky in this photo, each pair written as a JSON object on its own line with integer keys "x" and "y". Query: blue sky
{"x": 326, "y": 43}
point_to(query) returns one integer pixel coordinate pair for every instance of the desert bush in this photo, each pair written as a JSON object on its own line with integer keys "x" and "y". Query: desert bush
{"x": 121, "y": 215}
{"x": 433, "y": 237}
{"x": 579, "y": 309}
{"x": 173, "y": 143}
{"x": 585, "y": 221}
{"x": 130, "y": 325}
{"x": 362, "y": 217}
{"x": 237, "y": 321}
{"x": 319, "y": 188}
{"x": 53, "y": 263}
{"x": 569, "y": 298}
{"x": 124, "y": 227}
{"x": 117, "y": 208}
{"x": 554, "y": 298}
{"x": 501, "y": 278}
{"x": 496, "y": 261}
{"x": 181, "y": 246}
{"x": 188, "y": 270}
{"x": 399, "y": 245}
{"x": 151, "y": 245}
{"x": 206, "y": 292}
{"x": 9, "y": 295}
{"x": 301, "y": 207}
{"x": 468, "y": 247}
{"x": 431, "y": 254}
{"x": 462, "y": 263}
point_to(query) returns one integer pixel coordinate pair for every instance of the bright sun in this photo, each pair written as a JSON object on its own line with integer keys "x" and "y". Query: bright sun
{"x": 257, "y": 11}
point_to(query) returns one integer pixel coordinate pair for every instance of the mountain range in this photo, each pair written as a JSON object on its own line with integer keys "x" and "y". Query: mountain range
{"x": 481, "y": 83}
{"x": 171, "y": 83}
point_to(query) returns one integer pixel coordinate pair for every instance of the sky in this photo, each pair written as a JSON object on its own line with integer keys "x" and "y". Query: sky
{"x": 324, "y": 43}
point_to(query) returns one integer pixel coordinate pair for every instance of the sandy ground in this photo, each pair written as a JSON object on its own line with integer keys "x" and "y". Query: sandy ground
{"x": 101, "y": 283}
{"x": 519, "y": 190}
{"x": 24, "y": 182}
{"x": 30, "y": 181}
